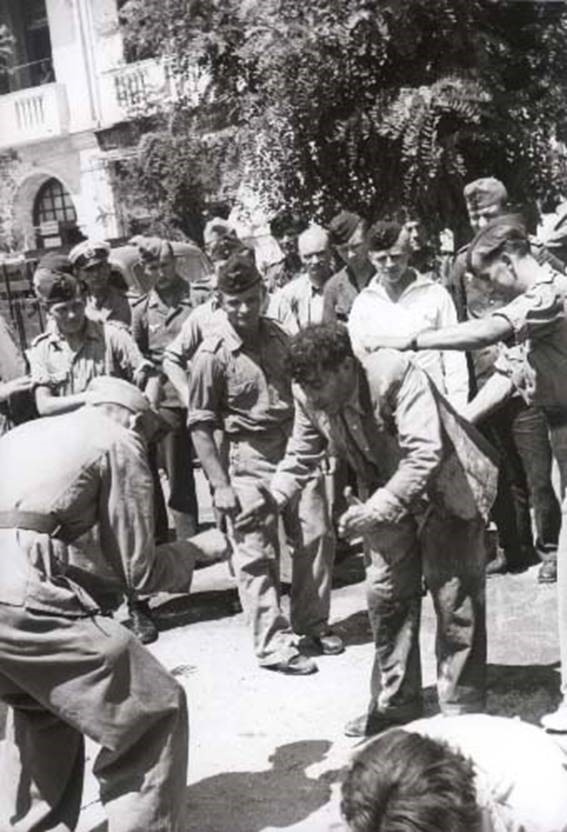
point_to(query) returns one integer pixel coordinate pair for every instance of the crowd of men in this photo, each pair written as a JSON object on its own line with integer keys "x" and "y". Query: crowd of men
{"x": 361, "y": 388}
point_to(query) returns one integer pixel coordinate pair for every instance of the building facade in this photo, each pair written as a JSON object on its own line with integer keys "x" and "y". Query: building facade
{"x": 65, "y": 82}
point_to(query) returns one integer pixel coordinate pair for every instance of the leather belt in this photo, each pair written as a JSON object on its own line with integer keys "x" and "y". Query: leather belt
{"x": 33, "y": 521}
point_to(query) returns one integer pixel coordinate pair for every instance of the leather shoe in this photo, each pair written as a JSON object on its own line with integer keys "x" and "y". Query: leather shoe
{"x": 297, "y": 665}
{"x": 141, "y": 623}
{"x": 547, "y": 573}
{"x": 368, "y": 725}
{"x": 330, "y": 644}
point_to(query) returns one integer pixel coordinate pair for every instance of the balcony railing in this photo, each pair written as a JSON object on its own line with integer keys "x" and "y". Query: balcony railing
{"x": 135, "y": 89}
{"x": 33, "y": 114}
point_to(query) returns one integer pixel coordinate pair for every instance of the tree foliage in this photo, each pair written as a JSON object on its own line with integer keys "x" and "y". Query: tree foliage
{"x": 372, "y": 104}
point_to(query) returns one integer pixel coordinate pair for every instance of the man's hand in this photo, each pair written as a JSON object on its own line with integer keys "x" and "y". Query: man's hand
{"x": 357, "y": 519}
{"x": 225, "y": 501}
{"x": 255, "y": 514}
{"x": 392, "y": 342}
{"x": 17, "y": 385}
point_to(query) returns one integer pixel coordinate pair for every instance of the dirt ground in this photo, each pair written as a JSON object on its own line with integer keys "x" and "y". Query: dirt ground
{"x": 267, "y": 751}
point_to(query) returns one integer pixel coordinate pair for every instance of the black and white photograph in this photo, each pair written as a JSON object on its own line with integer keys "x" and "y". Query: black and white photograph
{"x": 283, "y": 416}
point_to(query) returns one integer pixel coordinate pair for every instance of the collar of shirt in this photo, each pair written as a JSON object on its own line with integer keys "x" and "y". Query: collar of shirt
{"x": 233, "y": 340}
{"x": 421, "y": 281}
{"x": 93, "y": 331}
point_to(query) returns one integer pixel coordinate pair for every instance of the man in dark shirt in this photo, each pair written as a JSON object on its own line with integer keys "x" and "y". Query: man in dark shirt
{"x": 348, "y": 234}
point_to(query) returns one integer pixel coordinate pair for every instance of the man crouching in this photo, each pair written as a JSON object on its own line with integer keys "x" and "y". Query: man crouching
{"x": 428, "y": 481}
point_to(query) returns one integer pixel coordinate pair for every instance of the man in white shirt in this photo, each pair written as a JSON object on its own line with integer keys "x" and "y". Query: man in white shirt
{"x": 463, "y": 773}
{"x": 300, "y": 302}
{"x": 399, "y": 300}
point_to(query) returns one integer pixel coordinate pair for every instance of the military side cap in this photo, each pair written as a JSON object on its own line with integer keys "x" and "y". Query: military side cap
{"x": 343, "y": 226}
{"x": 110, "y": 390}
{"x": 153, "y": 249}
{"x": 89, "y": 253}
{"x": 484, "y": 193}
{"x": 54, "y": 286}
{"x": 217, "y": 229}
{"x": 238, "y": 274}
{"x": 490, "y": 239}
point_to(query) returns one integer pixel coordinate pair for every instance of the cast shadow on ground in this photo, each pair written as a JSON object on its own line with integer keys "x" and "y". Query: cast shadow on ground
{"x": 198, "y": 606}
{"x": 250, "y": 801}
{"x": 528, "y": 691}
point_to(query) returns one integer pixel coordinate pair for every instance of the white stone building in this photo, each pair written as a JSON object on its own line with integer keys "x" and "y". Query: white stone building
{"x": 66, "y": 84}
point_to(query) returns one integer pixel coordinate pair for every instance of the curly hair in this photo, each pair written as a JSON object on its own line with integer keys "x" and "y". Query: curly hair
{"x": 404, "y": 782}
{"x": 318, "y": 348}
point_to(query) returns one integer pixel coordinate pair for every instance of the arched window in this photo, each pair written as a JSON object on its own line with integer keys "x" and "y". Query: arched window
{"x": 53, "y": 202}
{"x": 54, "y": 215}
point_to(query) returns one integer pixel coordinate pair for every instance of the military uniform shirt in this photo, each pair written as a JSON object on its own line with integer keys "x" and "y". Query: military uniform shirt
{"x": 107, "y": 349}
{"x": 114, "y": 307}
{"x": 341, "y": 291}
{"x": 538, "y": 319}
{"x": 154, "y": 326}
{"x": 240, "y": 388}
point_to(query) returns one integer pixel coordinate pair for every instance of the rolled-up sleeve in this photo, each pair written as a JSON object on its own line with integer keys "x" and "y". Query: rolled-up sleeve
{"x": 186, "y": 343}
{"x": 532, "y": 313}
{"x": 125, "y": 356}
{"x": 304, "y": 454}
{"x": 206, "y": 390}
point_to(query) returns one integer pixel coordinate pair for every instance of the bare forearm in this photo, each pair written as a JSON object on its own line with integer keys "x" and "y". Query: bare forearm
{"x": 206, "y": 443}
{"x": 495, "y": 392}
{"x": 49, "y": 405}
{"x": 178, "y": 377}
{"x": 470, "y": 335}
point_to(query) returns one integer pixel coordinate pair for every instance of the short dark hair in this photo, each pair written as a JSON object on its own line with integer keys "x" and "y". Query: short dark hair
{"x": 318, "y": 348}
{"x": 506, "y": 233}
{"x": 383, "y": 235}
{"x": 404, "y": 782}
{"x": 287, "y": 222}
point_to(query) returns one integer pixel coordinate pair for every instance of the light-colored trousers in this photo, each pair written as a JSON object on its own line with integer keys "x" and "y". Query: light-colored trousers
{"x": 253, "y": 461}
{"x": 68, "y": 677}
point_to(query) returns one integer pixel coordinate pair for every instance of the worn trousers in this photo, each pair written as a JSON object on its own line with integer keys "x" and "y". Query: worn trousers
{"x": 253, "y": 461}
{"x": 449, "y": 553}
{"x": 173, "y": 453}
{"x": 520, "y": 434}
{"x": 66, "y": 678}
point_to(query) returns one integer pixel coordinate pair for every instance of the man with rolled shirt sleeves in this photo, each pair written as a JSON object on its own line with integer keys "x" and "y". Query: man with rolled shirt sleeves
{"x": 239, "y": 383}
{"x": 516, "y": 429}
{"x": 67, "y": 670}
{"x": 157, "y": 318}
{"x": 426, "y": 484}
{"x": 104, "y": 301}
{"x": 348, "y": 234}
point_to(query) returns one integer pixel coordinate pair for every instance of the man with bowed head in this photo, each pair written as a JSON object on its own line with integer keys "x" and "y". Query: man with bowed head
{"x": 67, "y": 670}
{"x": 427, "y": 483}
